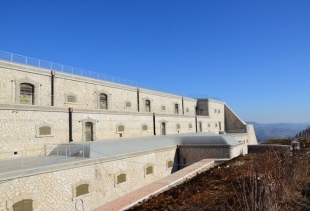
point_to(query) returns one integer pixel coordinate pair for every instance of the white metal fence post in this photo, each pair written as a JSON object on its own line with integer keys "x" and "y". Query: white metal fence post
{"x": 22, "y": 159}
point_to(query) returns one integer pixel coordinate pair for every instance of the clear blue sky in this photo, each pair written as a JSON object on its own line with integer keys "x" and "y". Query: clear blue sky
{"x": 252, "y": 54}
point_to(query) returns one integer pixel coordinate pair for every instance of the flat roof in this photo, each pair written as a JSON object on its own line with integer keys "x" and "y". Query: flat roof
{"x": 120, "y": 146}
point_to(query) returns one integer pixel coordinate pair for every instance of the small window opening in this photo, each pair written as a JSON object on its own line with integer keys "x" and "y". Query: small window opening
{"x": 170, "y": 164}
{"x": 24, "y": 205}
{"x": 183, "y": 160}
{"x": 128, "y": 105}
{"x": 82, "y": 189}
{"x": 103, "y": 98}
{"x": 163, "y": 108}
{"x": 71, "y": 99}
{"x": 147, "y": 106}
{"x": 176, "y": 109}
{"x": 26, "y": 94}
{"x": 149, "y": 170}
{"x": 121, "y": 178}
{"x": 120, "y": 128}
{"x": 44, "y": 131}
{"x": 144, "y": 127}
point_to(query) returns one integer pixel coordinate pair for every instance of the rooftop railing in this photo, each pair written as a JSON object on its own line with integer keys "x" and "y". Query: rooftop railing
{"x": 76, "y": 71}
{"x": 86, "y": 73}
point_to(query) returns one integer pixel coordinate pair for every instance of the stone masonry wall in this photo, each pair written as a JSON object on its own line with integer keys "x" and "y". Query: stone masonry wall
{"x": 192, "y": 154}
{"x": 56, "y": 190}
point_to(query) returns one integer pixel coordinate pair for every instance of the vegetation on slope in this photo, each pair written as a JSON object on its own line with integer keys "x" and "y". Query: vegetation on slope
{"x": 272, "y": 180}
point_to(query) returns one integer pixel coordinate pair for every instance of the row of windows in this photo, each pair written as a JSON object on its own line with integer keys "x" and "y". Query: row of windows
{"x": 27, "y": 97}
{"x": 47, "y": 130}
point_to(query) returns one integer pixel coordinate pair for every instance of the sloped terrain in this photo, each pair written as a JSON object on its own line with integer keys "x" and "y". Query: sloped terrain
{"x": 263, "y": 181}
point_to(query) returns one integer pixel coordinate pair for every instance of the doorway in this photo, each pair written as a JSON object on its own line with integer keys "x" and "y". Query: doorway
{"x": 89, "y": 131}
{"x": 163, "y": 128}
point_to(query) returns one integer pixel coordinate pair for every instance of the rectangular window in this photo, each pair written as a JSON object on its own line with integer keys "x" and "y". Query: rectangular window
{"x": 128, "y": 105}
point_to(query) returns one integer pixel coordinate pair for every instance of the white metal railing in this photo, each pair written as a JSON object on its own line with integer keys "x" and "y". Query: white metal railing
{"x": 76, "y": 71}
{"x": 237, "y": 131}
{"x": 7, "y": 56}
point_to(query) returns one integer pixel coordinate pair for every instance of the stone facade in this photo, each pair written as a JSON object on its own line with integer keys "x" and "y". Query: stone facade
{"x": 85, "y": 109}
{"x": 126, "y": 107}
{"x": 56, "y": 188}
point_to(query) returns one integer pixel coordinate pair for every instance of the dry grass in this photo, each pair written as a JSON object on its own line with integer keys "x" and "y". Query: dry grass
{"x": 257, "y": 182}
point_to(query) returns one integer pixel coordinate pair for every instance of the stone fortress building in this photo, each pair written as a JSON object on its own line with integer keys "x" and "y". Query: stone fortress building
{"x": 122, "y": 137}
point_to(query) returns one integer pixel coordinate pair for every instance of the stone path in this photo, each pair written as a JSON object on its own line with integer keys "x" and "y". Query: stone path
{"x": 133, "y": 198}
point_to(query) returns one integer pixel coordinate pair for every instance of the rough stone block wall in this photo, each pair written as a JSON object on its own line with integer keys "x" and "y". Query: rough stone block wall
{"x": 193, "y": 154}
{"x": 19, "y": 134}
{"x": 87, "y": 93}
{"x": 55, "y": 190}
{"x": 11, "y": 74}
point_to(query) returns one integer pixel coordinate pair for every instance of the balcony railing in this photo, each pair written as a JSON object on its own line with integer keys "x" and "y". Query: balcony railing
{"x": 243, "y": 130}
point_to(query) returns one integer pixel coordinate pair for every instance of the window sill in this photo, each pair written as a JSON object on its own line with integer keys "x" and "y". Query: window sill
{"x": 81, "y": 197}
{"x": 120, "y": 184}
{"x": 71, "y": 103}
{"x": 148, "y": 175}
{"x": 43, "y": 136}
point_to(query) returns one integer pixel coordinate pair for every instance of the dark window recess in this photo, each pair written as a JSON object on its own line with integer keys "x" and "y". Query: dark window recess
{"x": 82, "y": 189}
{"x": 121, "y": 178}
{"x": 45, "y": 130}
{"x": 149, "y": 170}
{"x": 24, "y": 205}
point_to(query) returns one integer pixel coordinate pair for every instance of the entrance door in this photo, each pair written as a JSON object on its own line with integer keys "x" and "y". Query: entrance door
{"x": 200, "y": 126}
{"x": 163, "y": 128}
{"x": 89, "y": 131}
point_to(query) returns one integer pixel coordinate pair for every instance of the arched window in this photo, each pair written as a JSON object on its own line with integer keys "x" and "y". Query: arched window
{"x": 121, "y": 178}
{"x": 24, "y": 205}
{"x": 103, "y": 98}
{"x": 147, "y": 106}
{"x": 144, "y": 128}
{"x": 45, "y": 130}
{"x": 149, "y": 170}
{"x": 176, "y": 109}
{"x": 26, "y": 93}
{"x": 82, "y": 189}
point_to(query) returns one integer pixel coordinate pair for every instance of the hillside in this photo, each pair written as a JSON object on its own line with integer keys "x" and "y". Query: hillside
{"x": 261, "y": 181}
{"x": 277, "y": 130}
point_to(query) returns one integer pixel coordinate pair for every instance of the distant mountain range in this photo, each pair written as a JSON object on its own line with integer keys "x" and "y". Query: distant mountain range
{"x": 277, "y": 130}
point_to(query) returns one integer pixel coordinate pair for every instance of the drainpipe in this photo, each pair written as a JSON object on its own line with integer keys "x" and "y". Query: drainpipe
{"x": 196, "y": 123}
{"x": 52, "y": 87}
{"x": 154, "y": 126}
{"x": 138, "y": 98}
{"x": 70, "y": 124}
{"x": 182, "y": 106}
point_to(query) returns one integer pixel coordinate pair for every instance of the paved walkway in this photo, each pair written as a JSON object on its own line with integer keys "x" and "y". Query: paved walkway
{"x": 133, "y": 198}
